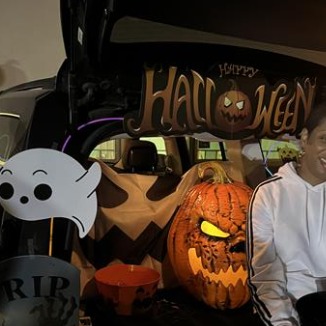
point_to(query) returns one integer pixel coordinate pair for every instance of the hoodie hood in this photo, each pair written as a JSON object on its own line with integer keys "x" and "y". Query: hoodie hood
{"x": 312, "y": 200}
{"x": 289, "y": 172}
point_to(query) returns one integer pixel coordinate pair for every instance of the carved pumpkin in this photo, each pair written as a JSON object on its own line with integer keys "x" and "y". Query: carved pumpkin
{"x": 233, "y": 110}
{"x": 206, "y": 241}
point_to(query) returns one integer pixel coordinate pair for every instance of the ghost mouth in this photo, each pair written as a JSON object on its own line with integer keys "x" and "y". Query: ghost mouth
{"x": 24, "y": 200}
{"x": 79, "y": 222}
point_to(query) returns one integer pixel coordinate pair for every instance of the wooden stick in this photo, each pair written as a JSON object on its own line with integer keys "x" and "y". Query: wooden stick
{"x": 51, "y": 237}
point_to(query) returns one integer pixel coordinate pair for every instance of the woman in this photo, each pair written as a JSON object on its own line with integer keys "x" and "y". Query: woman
{"x": 286, "y": 230}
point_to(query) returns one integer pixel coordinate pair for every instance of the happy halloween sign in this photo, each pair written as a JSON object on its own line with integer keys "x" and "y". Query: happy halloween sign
{"x": 232, "y": 102}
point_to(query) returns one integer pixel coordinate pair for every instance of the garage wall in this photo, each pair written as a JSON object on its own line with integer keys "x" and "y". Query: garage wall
{"x": 31, "y": 45}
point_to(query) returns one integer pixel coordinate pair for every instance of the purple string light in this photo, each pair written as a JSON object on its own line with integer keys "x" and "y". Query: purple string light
{"x": 65, "y": 144}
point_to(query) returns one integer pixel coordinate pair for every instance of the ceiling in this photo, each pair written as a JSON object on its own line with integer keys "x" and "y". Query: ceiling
{"x": 129, "y": 29}
{"x": 289, "y": 27}
{"x": 294, "y": 23}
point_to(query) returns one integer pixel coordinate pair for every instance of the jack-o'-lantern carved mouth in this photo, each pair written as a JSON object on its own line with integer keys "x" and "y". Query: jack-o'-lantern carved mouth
{"x": 228, "y": 277}
{"x": 233, "y": 118}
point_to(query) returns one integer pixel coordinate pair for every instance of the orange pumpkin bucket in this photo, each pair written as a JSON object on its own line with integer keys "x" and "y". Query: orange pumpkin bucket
{"x": 129, "y": 288}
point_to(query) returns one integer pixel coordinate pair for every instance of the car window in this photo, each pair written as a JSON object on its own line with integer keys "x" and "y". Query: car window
{"x": 107, "y": 151}
{"x": 275, "y": 153}
{"x": 8, "y": 126}
{"x": 159, "y": 143}
{"x": 210, "y": 150}
{"x": 110, "y": 151}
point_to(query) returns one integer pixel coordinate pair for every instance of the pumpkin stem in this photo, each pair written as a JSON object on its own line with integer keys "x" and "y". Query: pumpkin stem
{"x": 234, "y": 85}
{"x": 219, "y": 174}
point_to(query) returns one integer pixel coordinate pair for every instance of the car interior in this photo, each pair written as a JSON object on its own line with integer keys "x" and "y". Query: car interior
{"x": 145, "y": 107}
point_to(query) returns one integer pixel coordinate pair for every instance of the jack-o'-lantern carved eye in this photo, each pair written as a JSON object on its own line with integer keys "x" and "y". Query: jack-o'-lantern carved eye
{"x": 227, "y": 102}
{"x": 240, "y": 105}
{"x": 212, "y": 230}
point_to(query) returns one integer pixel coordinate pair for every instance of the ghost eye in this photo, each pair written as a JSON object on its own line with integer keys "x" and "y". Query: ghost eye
{"x": 227, "y": 102}
{"x": 42, "y": 192}
{"x": 212, "y": 230}
{"x": 6, "y": 190}
{"x": 240, "y": 105}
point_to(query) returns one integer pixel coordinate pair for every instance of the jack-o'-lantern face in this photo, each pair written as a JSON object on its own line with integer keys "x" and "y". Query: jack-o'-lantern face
{"x": 233, "y": 111}
{"x": 206, "y": 243}
{"x": 144, "y": 299}
{"x": 288, "y": 154}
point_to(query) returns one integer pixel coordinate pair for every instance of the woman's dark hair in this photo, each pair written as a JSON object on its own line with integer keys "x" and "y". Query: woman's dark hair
{"x": 316, "y": 117}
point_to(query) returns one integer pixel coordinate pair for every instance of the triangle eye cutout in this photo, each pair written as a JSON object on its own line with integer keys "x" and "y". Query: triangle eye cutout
{"x": 227, "y": 102}
{"x": 240, "y": 105}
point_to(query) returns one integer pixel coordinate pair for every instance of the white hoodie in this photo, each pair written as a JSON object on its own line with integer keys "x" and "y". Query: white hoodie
{"x": 286, "y": 244}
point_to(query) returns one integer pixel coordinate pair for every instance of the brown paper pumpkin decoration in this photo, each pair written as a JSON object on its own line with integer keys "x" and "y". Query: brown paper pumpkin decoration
{"x": 206, "y": 241}
{"x": 233, "y": 111}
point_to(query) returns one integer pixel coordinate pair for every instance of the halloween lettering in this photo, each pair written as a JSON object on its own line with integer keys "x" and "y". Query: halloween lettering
{"x": 177, "y": 102}
{"x": 42, "y": 286}
{"x": 281, "y": 115}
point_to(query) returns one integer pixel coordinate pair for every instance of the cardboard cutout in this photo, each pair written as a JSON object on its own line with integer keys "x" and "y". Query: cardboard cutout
{"x": 227, "y": 100}
{"x": 38, "y": 291}
{"x": 131, "y": 226}
{"x": 41, "y": 183}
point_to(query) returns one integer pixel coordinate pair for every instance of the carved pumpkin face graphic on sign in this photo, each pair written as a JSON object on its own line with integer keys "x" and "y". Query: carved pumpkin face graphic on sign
{"x": 233, "y": 110}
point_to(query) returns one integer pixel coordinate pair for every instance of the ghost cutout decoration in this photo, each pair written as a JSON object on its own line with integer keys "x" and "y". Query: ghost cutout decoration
{"x": 41, "y": 183}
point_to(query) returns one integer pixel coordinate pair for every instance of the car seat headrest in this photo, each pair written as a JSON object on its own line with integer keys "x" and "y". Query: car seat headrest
{"x": 140, "y": 156}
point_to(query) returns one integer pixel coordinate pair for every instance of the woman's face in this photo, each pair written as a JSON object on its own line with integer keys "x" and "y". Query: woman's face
{"x": 313, "y": 162}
